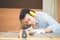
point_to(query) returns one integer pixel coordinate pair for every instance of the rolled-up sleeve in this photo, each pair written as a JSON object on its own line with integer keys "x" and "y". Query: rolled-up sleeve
{"x": 53, "y": 24}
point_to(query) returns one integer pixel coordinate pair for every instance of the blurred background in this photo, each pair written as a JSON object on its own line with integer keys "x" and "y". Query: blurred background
{"x": 10, "y": 10}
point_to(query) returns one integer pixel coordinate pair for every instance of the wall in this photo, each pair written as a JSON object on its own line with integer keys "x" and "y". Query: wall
{"x": 50, "y": 6}
{"x": 58, "y": 6}
{"x": 36, "y": 4}
{"x": 47, "y": 6}
{"x": 9, "y": 19}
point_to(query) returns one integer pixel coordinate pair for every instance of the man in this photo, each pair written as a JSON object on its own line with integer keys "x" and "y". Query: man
{"x": 39, "y": 21}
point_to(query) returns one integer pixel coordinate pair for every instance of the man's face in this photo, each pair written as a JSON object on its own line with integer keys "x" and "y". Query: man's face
{"x": 29, "y": 20}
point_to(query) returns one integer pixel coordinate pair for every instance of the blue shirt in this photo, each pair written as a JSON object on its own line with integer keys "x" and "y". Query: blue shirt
{"x": 43, "y": 20}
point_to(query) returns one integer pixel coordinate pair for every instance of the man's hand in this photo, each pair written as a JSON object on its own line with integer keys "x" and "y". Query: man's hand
{"x": 37, "y": 31}
{"x": 29, "y": 29}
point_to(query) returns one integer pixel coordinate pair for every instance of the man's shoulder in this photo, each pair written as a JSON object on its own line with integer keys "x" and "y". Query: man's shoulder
{"x": 41, "y": 13}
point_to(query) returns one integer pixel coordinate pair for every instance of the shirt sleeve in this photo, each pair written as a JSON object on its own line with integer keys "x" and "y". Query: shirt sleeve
{"x": 53, "y": 24}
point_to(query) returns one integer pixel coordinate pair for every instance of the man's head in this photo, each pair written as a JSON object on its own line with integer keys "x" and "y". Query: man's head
{"x": 27, "y": 16}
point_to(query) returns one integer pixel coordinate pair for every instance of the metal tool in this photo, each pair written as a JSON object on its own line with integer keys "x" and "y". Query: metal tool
{"x": 24, "y": 34}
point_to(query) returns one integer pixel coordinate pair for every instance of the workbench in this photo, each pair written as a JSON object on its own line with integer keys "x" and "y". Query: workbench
{"x": 18, "y": 36}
